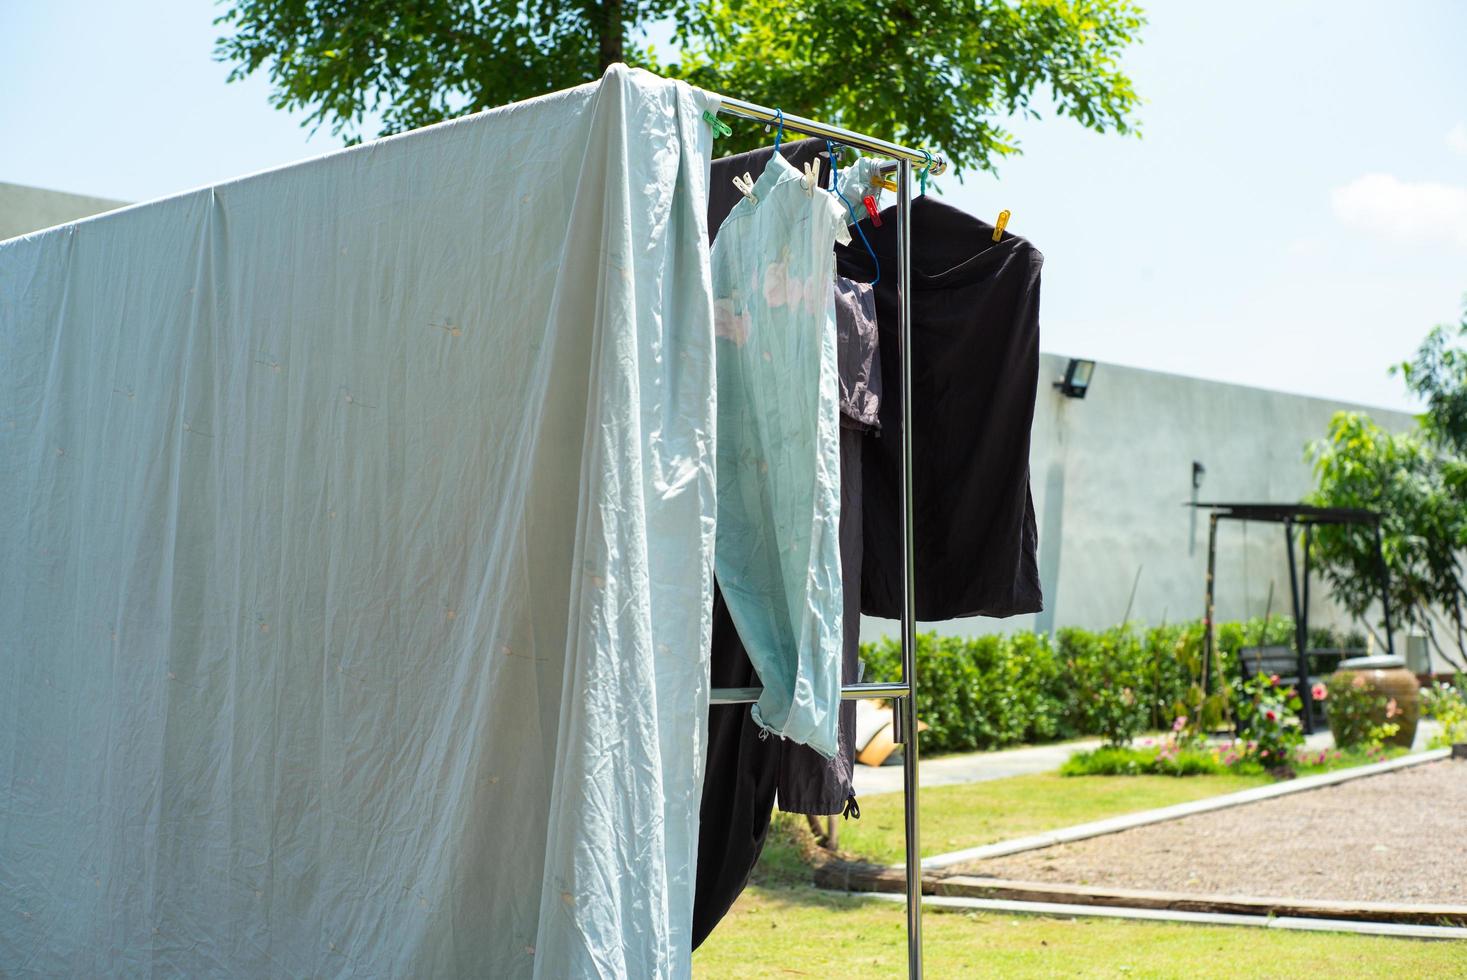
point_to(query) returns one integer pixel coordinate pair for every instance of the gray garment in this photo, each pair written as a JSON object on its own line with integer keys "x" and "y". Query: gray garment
{"x": 857, "y": 352}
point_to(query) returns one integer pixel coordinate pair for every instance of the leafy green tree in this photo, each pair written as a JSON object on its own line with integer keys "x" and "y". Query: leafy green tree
{"x": 939, "y": 73}
{"x": 1438, "y": 375}
{"x": 1420, "y": 493}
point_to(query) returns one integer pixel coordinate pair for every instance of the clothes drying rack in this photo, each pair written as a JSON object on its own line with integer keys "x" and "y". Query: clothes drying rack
{"x": 904, "y": 693}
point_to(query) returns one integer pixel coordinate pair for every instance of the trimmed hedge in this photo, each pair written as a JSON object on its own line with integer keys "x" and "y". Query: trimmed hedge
{"x": 988, "y": 692}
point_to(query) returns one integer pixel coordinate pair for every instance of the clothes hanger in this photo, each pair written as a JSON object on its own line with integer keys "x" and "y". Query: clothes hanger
{"x": 779, "y": 130}
{"x": 745, "y": 184}
{"x": 835, "y": 187}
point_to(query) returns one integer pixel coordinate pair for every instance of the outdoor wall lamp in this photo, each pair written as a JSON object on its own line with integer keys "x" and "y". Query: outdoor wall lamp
{"x": 1077, "y": 378}
{"x": 1198, "y": 472}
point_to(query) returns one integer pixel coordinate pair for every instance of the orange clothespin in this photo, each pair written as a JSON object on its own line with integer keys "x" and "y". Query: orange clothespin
{"x": 1000, "y": 225}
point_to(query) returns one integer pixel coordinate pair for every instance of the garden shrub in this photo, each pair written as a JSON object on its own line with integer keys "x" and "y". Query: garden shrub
{"x": 1107, "y": 675}
{"x": 1269, "y": 713}
{"x": 1130, "y": 761}
{"x": 980, "y": 693}
{"x": 992, "y": 691}
{"x": 1447, "y": 704}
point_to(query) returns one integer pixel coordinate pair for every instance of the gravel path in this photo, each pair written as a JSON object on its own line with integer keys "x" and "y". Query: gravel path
{"x": 1397, "y": 837}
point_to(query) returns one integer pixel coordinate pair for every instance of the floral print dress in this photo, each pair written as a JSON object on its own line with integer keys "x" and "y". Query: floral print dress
{"x": 777, "y": 554}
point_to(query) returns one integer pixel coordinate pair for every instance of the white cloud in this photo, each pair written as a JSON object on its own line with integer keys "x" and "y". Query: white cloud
{"x": 1421, "y": 211}
{"x": 1457, "y": 139}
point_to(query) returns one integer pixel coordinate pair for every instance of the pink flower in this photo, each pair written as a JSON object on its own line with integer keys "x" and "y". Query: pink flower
{"x": 1271, "y": 715}
{"x": 1264, "y": 754}
{"x": 1180, "y": 723}
{"x": 1358, "y": 681}
{"x": 1273, "y": 678}
{"x": 1319, "y": 691}
{"x": 1391, "y": 709}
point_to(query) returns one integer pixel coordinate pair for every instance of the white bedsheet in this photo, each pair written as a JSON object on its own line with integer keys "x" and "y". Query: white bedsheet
{"x": 356, "y": 526}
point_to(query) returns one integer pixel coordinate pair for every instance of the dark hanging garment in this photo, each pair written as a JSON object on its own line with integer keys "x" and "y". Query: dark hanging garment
{"x": 738, "y": 786}
{"x": 975, "y": 369}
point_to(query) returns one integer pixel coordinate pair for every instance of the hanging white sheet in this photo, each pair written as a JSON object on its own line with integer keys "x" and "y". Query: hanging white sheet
{"x": 356, "y": 526}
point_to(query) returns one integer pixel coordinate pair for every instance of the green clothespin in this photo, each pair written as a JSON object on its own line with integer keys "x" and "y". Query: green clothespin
{"x": 720, "y": 128}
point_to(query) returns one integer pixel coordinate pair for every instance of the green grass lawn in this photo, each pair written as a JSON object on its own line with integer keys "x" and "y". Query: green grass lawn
{"x": 957, "y": 817}
{"x": 774, "y": 932}
{"x": 782, "y": 926}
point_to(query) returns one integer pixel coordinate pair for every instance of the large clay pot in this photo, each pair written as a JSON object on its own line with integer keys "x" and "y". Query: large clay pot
{"x": 1389, "y": 676}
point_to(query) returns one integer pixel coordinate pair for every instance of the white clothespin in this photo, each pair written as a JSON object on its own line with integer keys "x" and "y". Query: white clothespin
{"x": 811, "y": 178}
{"x": 745, "y": 186}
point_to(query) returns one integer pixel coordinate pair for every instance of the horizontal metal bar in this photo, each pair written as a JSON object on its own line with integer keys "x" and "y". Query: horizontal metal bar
{"x": 851, "y": 692}
{"x": 812, "y": 127}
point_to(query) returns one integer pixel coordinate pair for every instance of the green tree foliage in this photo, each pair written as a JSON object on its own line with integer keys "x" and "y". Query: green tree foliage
{"x": 938, "y": 73}
{"x": 1417, "y": 482}
{"x": 1438, "y": 375}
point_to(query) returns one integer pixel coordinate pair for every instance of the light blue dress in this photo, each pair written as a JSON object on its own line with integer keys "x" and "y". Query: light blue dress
{"x": 777, "y": 556}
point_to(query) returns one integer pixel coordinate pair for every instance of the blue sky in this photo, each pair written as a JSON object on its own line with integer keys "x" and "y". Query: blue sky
{"x": 1293, "y": 217}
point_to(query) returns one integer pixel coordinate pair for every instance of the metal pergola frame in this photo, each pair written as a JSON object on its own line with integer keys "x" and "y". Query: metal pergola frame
{"x": 904, "y": 693}
{"x": 1289, "y": 515}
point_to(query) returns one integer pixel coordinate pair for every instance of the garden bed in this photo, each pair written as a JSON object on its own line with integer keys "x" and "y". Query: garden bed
{"x": 1395, "y": 837}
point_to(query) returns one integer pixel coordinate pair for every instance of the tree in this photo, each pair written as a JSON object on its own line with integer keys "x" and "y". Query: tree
{"x": 1438, "y": 375}
{"x": 939, "y": 73}
{"x": 1417, "y": 482}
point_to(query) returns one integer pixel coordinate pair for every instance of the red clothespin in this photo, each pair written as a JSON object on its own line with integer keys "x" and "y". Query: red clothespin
{"x": 870, "y": 203}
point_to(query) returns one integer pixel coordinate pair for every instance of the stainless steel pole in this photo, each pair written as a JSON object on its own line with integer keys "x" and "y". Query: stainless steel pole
{"x": 813, "y": 127}
{"x": 908, "y": 705}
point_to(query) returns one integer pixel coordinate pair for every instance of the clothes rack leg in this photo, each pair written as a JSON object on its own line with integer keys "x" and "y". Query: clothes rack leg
{"x": 907, "y": 706}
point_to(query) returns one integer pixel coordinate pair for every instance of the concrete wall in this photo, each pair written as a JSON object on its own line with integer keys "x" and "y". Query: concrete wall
{"x": 27, "y": 209}
{"x": 1111, "y": 473}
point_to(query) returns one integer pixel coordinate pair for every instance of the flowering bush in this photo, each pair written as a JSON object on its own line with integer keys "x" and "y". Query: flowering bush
{"x": 1354, "y": 709}
{"x": 1269, "y": 713}
{"x": 1448, "y": 705}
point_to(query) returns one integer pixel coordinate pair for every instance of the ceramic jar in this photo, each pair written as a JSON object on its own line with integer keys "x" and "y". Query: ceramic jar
{"x": 1389, "y": 676}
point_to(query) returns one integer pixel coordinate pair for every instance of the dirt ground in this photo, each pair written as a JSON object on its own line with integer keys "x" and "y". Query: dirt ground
{"x": 1397, "y": 837}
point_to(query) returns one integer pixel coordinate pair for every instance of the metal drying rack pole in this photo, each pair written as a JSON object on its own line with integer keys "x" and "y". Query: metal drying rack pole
{"x": 903, "y": 694}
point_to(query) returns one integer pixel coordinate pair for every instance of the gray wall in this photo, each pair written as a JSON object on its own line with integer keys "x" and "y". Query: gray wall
{"x": 27, "y": 209}
{"x": 1111, "y": 473}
